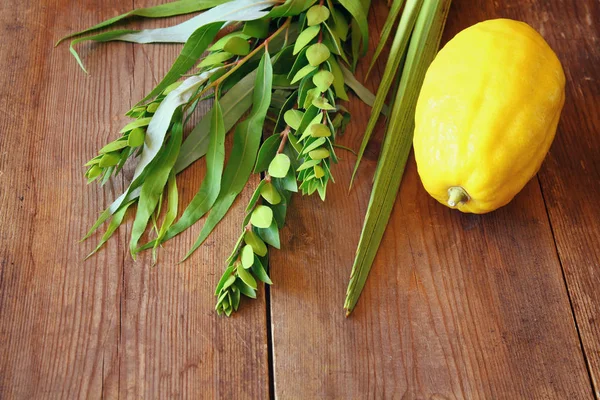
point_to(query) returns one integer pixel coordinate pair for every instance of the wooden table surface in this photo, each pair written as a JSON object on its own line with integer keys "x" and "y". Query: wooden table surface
{"x": 497, "y": 306}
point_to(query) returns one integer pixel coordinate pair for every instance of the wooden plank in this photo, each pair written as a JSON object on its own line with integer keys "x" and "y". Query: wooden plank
{"x": 457, "y": 306}
{"x": 108, "y": 327}
{"x": 570, "y": 177}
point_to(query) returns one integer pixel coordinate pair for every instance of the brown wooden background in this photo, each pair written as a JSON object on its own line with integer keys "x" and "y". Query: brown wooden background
{"x": 499, "y": 306}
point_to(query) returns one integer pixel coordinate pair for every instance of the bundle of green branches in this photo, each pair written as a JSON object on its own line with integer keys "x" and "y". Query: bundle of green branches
{"x": 268, "y": 59}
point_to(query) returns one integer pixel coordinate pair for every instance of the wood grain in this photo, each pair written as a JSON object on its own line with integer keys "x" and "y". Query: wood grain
{"x": 109, "y": 327}
{"x": 456, "y": 307}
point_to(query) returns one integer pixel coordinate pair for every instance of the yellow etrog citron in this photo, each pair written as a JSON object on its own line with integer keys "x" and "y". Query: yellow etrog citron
{"x": 487, "y": 114}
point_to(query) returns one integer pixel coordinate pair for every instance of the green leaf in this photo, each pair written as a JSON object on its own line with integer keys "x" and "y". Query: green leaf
{"x": 246, "y": 277}
{"x": 332, "y": 41}
{"x": 317, "y": 53}
{"x": 237, "y": 45}
{"x": 303, "y": 72}
{"x": 209, "y": 190}
{"x": 305, "y": 37}
{"x": 308, "y": 164}
{"x": 114, "y": 146}
{"x": 279, "y": 166}
{"x": 229, "y": 272}
{"x": 390, "y": 21}
{"x": 214, "y": 59}
{"x": 320, "y": 131}
{"x": 293, "y": 118}
{"x": 259, "y": 271}
{"x": 155, "y": 182}
{"x": 270, "y": 234}
{"x": 310, "y": 114}
{"x": 338, "y": 79}
{"x": 289, "y": 182}
{"x": 255, "y": 197}
{"x": 115, "y": 222}
{"x": 220, "y": 44}
{"x": 313, "y": 145}
{"x": 362, "y": 92}
{"x": 245, "y": 289}
{"x": 322, "y": 103}
{"x": 258, "y": 28}
{"x": 316, "y": 15}
{"x": 109, "y": 159}
{"x": 319, "y": 154}
{"x": 267, "y": 151}
{"x": 311, "y": 95}
{"x": 405, "y": 27}
{"x": 258, "y": 246}
{"x": 180, "y": 7}
{"x": 138, "y": 123}
{"x": 247, "y": 256}
{"x": 243, "y": 154}
{"x": 423, "y": 46}
{"x": 323, "y": 79}
{"x": 340, "y": 25}
{"x": 319, "y": 171}
{"x": 171, "y": 214}
{"x": 262, "y": 216}
{"x": 270, "y": 193}
{"x": 290, "y": 8}
{"x": 136, "y": 137}
{"x": 355, "y": 8}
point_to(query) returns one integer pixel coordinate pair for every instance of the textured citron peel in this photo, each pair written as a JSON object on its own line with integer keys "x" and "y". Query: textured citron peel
{"x": 487, "y": 114}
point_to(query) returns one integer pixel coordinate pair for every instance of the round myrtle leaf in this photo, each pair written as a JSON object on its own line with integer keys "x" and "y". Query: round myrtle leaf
{"x": 237, "y": 45}
{"x": 317, "y": 14}
{"x": 279, "y": 166}
{"x": 317, "y": 53}
{"x": 258, "y": 246}
{"x": 246, "y": 276}
{"x": 94, "y": 172}
{"x": 152, "y": 107}
{"x": 114, "y": 146}
{"x": 109, "y": 159}
{"x": 293, "y": 118}
{"x": 322, "y": 103}
{"x": 323, "y": 79}
{"x": 319, "y": 171}
{"x": 307, "y": 69}
{"x": 270, "y": 193}
{"x": 247, "y": 256}
{"x": 136, "y": 137}
{"x": 319, "y": 154}
{"x": 320, "y": 130}
{"x": 262, "y": 216}
{"x": 215, "y": 58}
{"x": 305, "y": 37}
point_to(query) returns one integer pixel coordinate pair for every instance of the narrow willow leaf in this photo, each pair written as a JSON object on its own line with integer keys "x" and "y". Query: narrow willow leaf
{"x": 270, "y": 234}
{"x": 305, "y": 37}
{"x": 267, "y": 151}
{"x": 269, "y": 192}
{"x": 405, "y": 27}
{"x": 247, "y": 256}
{"x": 211, "y": 185}
{"x": 332, "y": 41}
{"x": 359, "y": 13}
{"x": 258, "y": 246}
{"x": 262, "y": 216}
{"x": 237, "y": 45}
{"x": 323, "y": 80}
{"x": 155, "y": 181}
{"x": 362, "y": 92}
{"x": 235, "y": 103}
{"x": 316, "y": 15}
{"x": 293, "y": 118}
{"x": 243, "y": 154}
{"x": 259, "y": 271}
{"x": 317, "y": 53}
{"x": 390, "y": 21}
{"x": 279, "y": 166}
{"x": 115, "y": 222}
{"x": 340, "y": 25}
{"x": 180, "y": 7}
{"x": 398, "y": 141}
{"x": 171, "y": 215}
{"x": 338, "y": 79}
